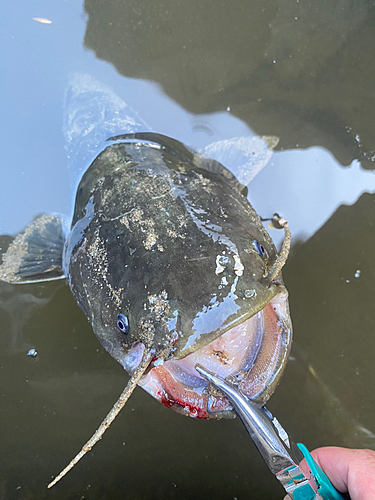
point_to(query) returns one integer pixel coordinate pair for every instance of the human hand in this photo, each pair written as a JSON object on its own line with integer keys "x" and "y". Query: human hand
{"x": 350, "y": 471}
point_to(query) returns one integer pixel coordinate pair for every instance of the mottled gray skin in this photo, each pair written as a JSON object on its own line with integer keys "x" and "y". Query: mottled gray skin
{"x": 167, "y": 239}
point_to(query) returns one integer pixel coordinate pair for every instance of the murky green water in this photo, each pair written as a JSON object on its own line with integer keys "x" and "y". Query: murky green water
{"x": 199, "y": 72}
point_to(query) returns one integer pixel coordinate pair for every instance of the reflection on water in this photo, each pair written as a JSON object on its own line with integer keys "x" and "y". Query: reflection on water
{"x": 299, "y": 70}
{"x": 308, "y": 186}
{"x": 331, "y": 281}
{"x": 210, "y": 59}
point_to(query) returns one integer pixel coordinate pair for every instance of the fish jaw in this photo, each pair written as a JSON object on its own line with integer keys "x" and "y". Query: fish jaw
{"x": 251, "y": 355}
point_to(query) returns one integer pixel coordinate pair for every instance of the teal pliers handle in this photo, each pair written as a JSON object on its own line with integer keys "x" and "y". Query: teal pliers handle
{"x": 325, "y": 488}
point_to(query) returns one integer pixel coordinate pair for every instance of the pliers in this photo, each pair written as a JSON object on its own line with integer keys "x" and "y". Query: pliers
{"x": 280, "y": 453}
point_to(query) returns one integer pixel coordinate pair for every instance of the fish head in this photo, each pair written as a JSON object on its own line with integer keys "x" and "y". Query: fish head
{"x": 167, "y": 256}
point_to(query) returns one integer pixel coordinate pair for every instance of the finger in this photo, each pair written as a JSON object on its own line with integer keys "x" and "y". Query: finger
{"x": 350, "y": 471}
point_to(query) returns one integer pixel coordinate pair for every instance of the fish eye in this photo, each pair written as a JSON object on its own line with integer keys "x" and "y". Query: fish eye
{"x": 122, "y": 323}
{"x": 259, "y": 248}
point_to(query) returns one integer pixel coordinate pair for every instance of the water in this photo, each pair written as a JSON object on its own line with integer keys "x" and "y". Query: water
{"x": 199, "y": 72}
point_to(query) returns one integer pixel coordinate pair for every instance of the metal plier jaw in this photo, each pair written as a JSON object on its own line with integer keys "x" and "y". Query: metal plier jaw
{"x": 282, "y": 456}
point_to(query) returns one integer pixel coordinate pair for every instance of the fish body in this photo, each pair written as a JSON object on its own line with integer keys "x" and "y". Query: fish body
{"x": 165, "y": 238}
{"x": 167, "y": 258}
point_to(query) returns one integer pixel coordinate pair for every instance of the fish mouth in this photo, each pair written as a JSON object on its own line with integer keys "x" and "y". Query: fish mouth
{"x": 251, "y": 355}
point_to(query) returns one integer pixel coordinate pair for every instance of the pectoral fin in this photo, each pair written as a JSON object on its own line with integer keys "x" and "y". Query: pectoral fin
{"x": 36, "y": 252}
{"x": 245, "y": 156}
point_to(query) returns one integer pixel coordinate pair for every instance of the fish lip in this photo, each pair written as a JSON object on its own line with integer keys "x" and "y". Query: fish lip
{"x": 280, "y": 306}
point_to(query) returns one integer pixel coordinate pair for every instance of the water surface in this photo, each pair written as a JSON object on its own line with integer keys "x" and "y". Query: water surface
{"x": 199, "y": 72}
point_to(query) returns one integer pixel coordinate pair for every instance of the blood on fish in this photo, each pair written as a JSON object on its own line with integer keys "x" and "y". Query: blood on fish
{"x": 168, "y": 401}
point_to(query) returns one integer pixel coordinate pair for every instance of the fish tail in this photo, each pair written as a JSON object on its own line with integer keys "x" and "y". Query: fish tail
{"x": 92, "y": 113}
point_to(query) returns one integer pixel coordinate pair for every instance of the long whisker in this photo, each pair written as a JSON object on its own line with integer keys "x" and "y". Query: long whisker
{"x": 126, "y": 393}
{"x": 284, "y": 252}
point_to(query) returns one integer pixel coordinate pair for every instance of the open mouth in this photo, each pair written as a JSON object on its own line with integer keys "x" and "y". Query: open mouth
{"x": 251, "y": 355}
